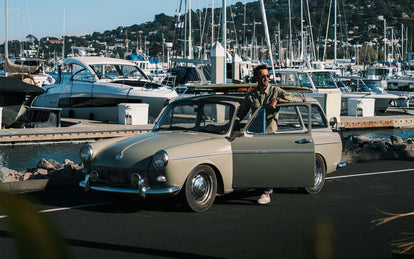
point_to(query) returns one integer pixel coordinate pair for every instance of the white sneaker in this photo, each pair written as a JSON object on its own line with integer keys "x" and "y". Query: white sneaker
{"x": 264, "y": 199}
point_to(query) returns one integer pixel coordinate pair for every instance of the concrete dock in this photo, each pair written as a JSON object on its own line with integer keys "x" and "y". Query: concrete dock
{"x": 85, "y": 130}
{"x": 81, "y": 131}
{"x": 394, "y": 121}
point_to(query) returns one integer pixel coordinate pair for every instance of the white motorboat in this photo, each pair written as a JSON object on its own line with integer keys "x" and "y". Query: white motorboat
{"x": 357, "y": 88}
{"x": 92, "y": 88}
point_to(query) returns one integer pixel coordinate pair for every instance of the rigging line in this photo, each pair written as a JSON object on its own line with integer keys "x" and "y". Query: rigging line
{"x": 311, "y": 33}
{"x": 327, "y": 30}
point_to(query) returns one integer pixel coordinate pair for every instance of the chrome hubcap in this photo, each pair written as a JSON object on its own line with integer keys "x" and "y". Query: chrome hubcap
{"x": 200, "y": 188}
{"x": 318, "y": 175}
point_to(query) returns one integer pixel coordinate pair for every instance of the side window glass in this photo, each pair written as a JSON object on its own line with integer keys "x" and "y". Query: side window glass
{"x": 289, "y": 119}
{"x": 257, "y": 125}
{"x": 318, "y": 119}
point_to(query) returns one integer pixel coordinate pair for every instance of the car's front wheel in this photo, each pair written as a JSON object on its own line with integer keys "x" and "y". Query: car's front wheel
{"x": 320, "y": 173}
{"x": 200, "y": 188}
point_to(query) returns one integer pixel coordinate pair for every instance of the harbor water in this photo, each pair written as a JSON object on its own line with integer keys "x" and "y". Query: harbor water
{"x": 20, "y": 158}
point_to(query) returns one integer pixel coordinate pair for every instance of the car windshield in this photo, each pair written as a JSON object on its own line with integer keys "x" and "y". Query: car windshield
{"x": 202, "y": 117}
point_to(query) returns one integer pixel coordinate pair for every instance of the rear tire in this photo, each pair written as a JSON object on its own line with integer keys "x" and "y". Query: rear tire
{"x": 200, "y": 189}
{"x": 320, "y": 173}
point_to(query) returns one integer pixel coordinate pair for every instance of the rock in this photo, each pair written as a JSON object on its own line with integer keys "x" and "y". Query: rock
{"x": 56, "y": 164}
{"x": 27, "y": 176}
{"x": 360, "y": 139}
{"x": 11, "y": 178}
{"x": 395, "y": 139}
{"x": 44, "y": 164}
{"x": 7, "y": 174}
{"x": 380, "y": 145}
{"x": 41, "y": 171}
{"x": 399, "y": 147}
{"x": 68, "y": 162}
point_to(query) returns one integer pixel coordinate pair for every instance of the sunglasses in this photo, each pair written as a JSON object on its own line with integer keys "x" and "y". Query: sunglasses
{"x": 264, "y": 76}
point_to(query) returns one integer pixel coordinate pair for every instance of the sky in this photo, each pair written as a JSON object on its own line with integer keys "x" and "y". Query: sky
{"x": 46, "y": 17}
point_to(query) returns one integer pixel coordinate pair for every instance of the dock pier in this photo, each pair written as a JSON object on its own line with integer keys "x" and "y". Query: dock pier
{"x": 87, "y": 131}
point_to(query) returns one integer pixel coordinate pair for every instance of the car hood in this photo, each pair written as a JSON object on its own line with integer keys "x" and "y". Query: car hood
{"x": 137, "y": 152}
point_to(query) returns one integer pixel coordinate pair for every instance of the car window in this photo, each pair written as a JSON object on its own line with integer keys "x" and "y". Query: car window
{"x": 289, "y": 119}
{"x": 317, "y": 117}
{"x": 286, "y": 119}
{"x": 203, "y": 117}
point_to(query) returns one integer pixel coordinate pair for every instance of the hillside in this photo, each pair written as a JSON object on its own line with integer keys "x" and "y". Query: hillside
{"x": 358, "y": 23}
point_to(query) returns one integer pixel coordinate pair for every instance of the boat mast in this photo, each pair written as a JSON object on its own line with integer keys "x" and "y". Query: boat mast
{"x": 266, "y": 29}
{"x": 212, "y": 23}
{"x": 224, "y": 21}
{"x": 290, "y": 34}
{"x": 6, "y": 41}
{"x": 190, "y": 41}
{"x": 301, "y": 31}
{"x": 335, "y": 14}
{"x": 63, "y": 36}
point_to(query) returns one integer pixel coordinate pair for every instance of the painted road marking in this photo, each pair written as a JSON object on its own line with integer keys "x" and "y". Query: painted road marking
{"x": 327, "y": 178}
{"x": 367, "y": 174}
{"x": 69, "y": 208}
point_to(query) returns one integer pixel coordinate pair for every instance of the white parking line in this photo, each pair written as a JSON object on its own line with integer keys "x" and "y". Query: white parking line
{"x": 68, "y": 208}
{"x": 373, "y": 173}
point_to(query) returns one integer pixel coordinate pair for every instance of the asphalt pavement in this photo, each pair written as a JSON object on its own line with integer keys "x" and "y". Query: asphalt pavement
{"x": 336, "y": 223}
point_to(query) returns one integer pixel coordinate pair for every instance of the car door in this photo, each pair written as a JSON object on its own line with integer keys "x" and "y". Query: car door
{"x": 285, "y": 158}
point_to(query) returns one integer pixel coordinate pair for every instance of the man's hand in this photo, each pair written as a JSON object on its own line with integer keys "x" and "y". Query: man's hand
{"x": 273, "y": 103}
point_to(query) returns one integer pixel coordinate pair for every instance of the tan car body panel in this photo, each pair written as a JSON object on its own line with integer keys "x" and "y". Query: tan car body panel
{"x": 187, "y": 150}
{"x": 213, "y": 152}
{"x": 329, "y": 146}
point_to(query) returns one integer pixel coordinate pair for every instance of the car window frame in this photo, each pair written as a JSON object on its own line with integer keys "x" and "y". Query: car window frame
{"x": 304, "y": 130}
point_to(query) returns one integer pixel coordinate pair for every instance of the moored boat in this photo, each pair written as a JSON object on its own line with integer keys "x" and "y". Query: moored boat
{"x": 92, "y": 88}
{"x": 15, "y": 98}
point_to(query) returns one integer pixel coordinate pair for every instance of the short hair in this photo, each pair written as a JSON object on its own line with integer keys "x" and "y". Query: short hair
{"x": 257, "y": 69}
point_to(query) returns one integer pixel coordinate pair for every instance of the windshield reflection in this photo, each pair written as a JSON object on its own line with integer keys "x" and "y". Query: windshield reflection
{"x": 202, "y": 117}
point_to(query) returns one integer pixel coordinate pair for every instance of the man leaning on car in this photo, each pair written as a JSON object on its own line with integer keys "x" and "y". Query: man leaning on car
{"x": 268, "y": 95}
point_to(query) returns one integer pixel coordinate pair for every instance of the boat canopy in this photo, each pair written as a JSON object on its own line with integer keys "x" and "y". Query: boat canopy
{"x": 11, "y": 67}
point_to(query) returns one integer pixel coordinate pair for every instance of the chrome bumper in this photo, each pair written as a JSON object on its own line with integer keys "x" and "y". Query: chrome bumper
{"x": 141, "y": 189}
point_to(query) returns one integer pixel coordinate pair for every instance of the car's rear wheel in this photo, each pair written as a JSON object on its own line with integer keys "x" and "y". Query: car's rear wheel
{"x": 320, "y": 173}
{"x": 200, "y": 188}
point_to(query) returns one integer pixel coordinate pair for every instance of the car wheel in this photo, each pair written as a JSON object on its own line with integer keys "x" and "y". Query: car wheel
{"x": 200, "y": 188}
{"x": 320, "y": 173}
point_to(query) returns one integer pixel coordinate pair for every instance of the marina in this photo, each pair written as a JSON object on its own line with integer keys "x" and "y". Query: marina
{"x": 87, "y": 130}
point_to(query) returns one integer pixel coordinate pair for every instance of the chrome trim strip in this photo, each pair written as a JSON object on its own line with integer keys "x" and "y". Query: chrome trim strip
{"x": 273, "y": 152}
{"x": 330, "y": 143}
{"x": 190, "y": 157}
{"x": 171, "y": 190}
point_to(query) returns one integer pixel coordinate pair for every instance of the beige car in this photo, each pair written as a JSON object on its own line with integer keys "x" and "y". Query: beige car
{"x": 197, "y": 151}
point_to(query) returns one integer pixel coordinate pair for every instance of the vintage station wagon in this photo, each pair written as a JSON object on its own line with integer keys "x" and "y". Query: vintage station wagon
{"x": 197, "y": 150}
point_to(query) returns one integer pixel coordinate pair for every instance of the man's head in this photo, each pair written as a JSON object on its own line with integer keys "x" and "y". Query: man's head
{"x": 261, "y": 75}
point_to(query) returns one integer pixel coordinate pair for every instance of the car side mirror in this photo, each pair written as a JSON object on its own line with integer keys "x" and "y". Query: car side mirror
{"x": 334, "y": 123}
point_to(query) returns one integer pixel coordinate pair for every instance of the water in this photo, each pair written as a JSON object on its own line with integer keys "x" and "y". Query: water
{"x": 381, "y": 133}
{"x": 20, "y": 158}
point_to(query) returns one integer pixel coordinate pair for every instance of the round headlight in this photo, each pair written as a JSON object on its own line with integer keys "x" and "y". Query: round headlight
{"x": 160, "y": 159}
{"x": 86, "y": 153}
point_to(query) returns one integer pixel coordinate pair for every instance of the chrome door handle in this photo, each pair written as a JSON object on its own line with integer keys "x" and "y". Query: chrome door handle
{"x": 303, "y": 141}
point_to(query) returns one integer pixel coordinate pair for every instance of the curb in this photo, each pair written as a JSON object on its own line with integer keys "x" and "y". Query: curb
{"x": 388, "y": 155}
{"x": 39, "y": 185}
{"x": 72, "y": 182}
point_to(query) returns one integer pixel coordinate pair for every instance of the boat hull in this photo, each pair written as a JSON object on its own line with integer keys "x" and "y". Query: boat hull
{"x": 15, "y": 98}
